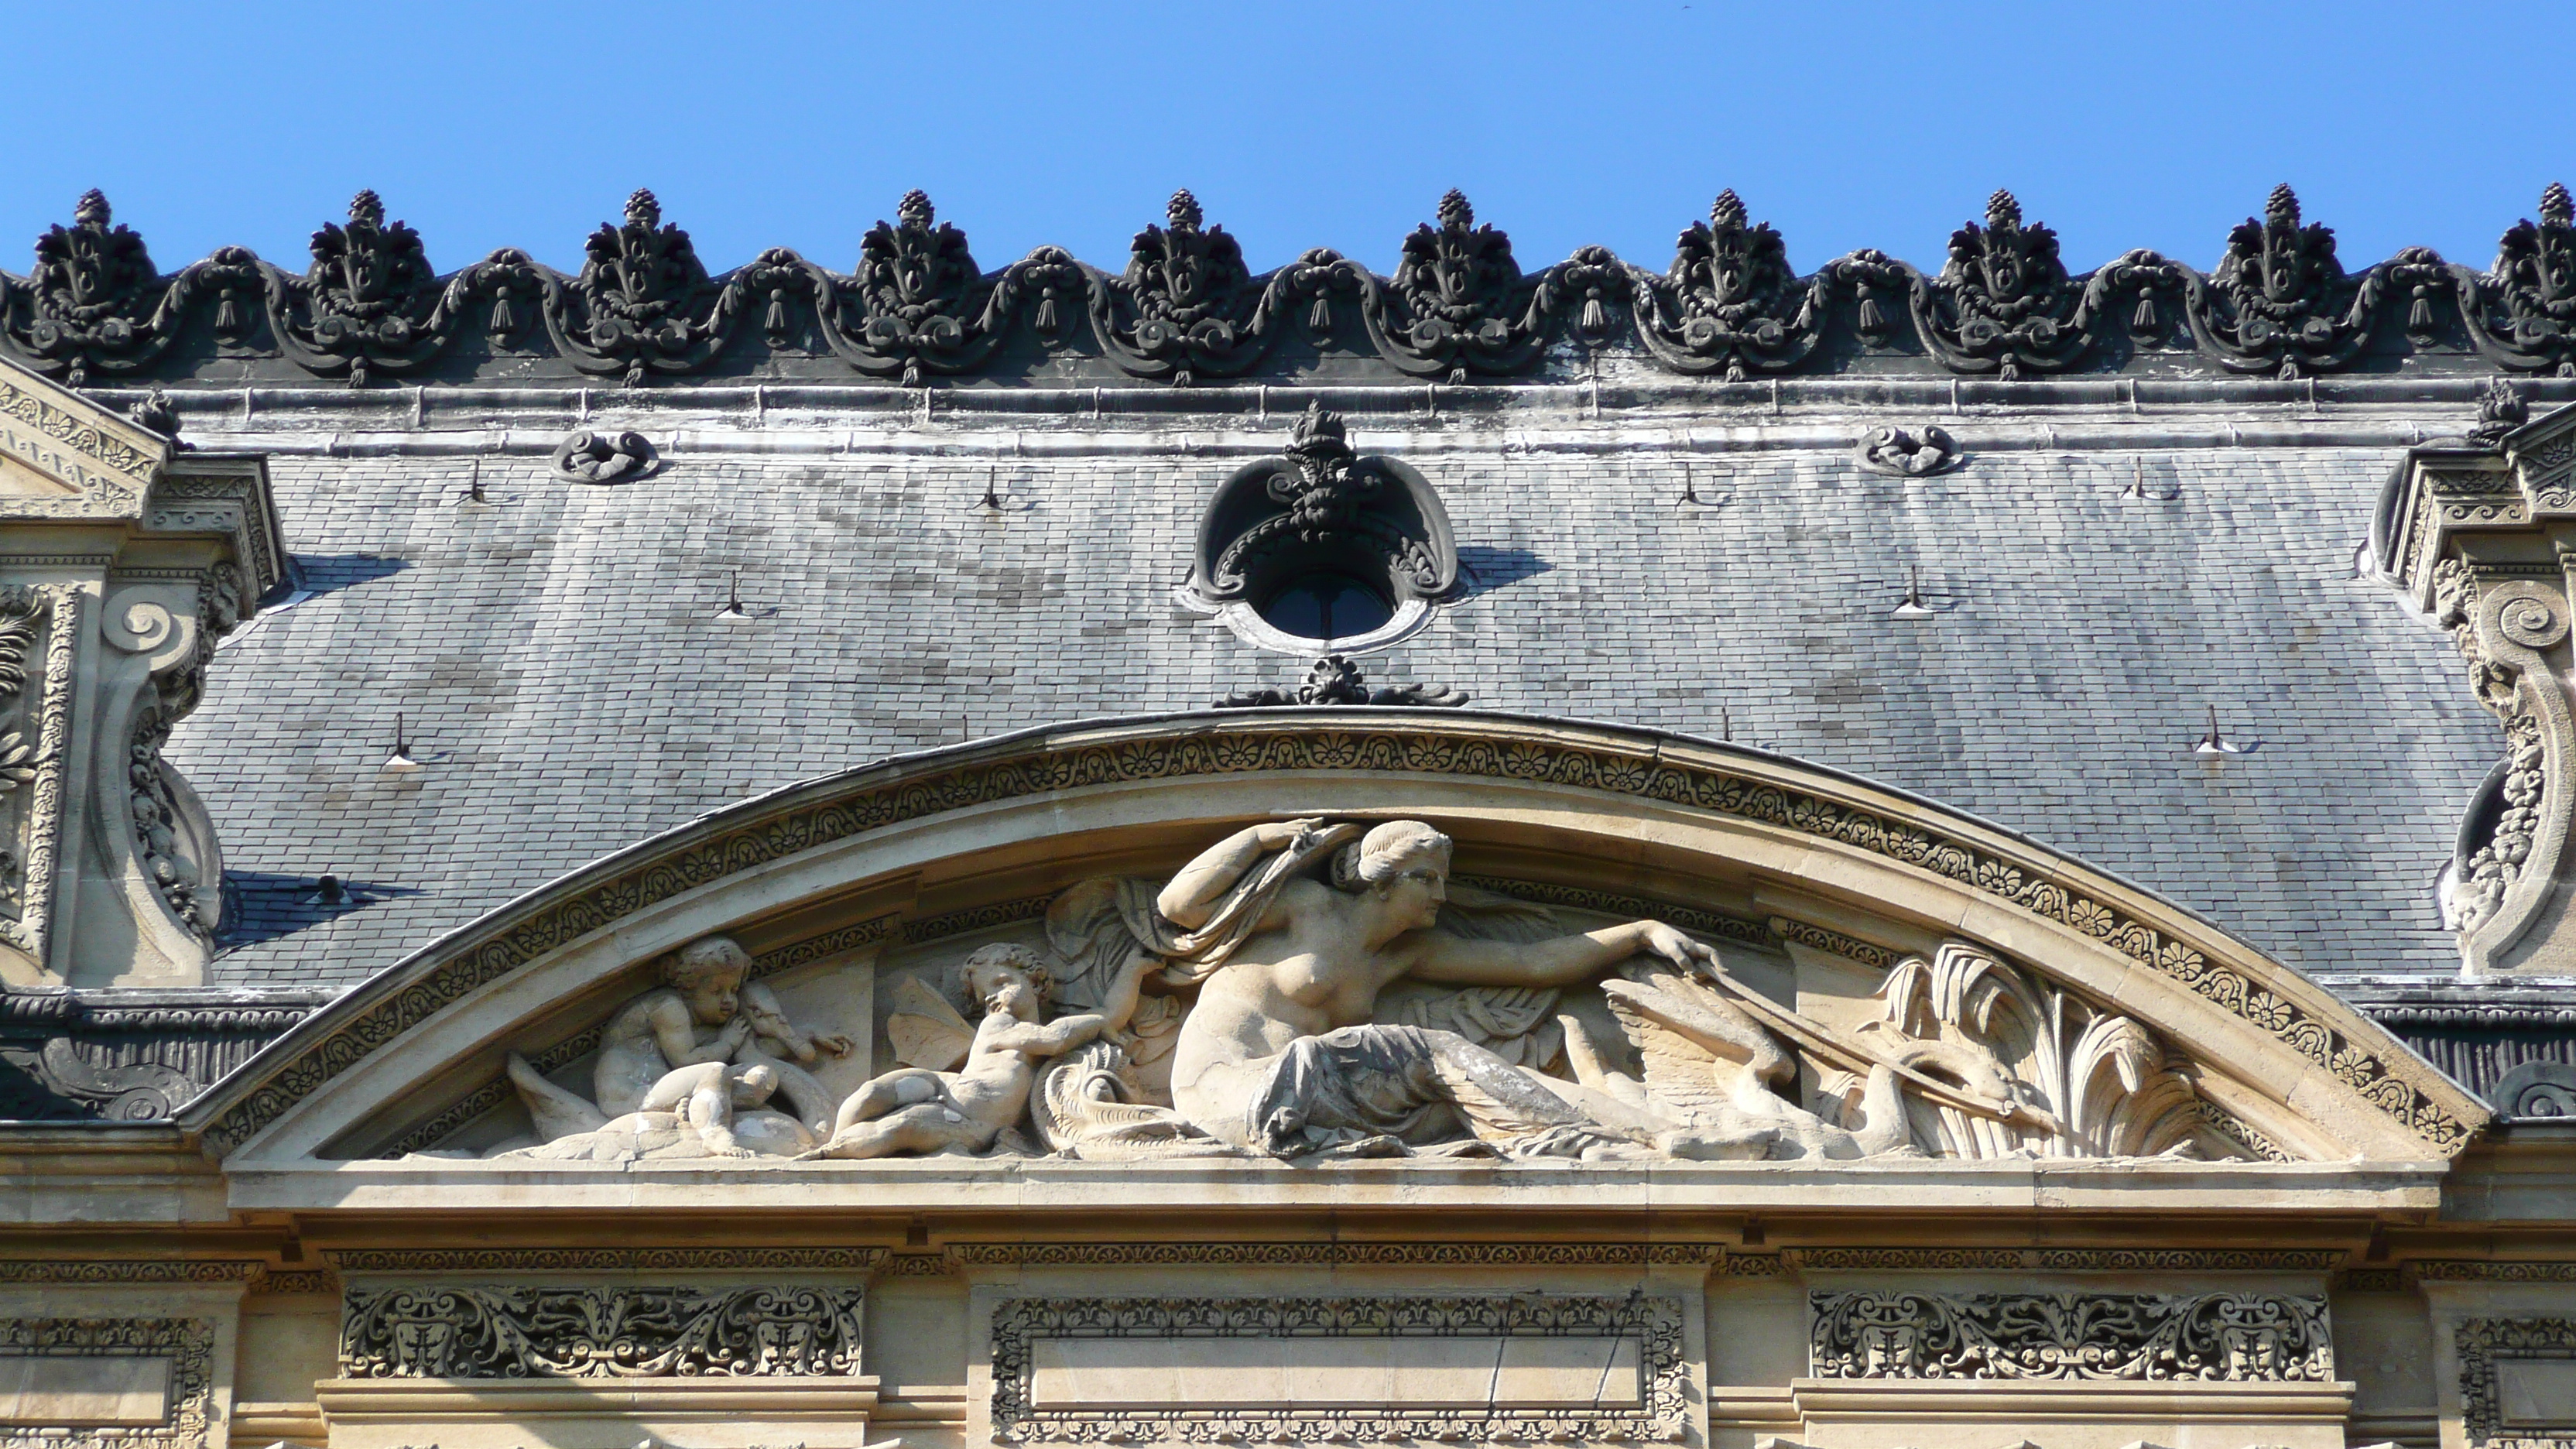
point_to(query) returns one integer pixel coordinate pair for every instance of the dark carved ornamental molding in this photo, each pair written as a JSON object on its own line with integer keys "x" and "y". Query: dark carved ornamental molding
{"x": 589, "y": 1333}
{"x": 643, "y": 302}
{"x": 1457, "y": 302}
{"x": 2004, "y": 302}
{"x": 1186, "y": 307}
{"x": 1729, "y": 303}
{"x": 2280, "y": 301}
{"x": 1322, "y": 507}
{"x": 1334, "y": 679}
{"x": 2219, "y": 1337}
{"x": 1653, "y": 1324}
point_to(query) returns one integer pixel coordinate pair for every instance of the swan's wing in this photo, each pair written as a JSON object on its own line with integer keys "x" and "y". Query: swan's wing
{"x": 925, "y": 1029}
{"x": 1680, "y": 1073}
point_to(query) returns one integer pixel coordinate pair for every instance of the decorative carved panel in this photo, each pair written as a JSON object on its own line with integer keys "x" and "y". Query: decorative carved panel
{"x": 524, "y": 1332}
{"x": 1637, "y": 1391}
{"x": 2222, "y": 1337}
{"x": 2491, "y": 1351}
{"x": 48, "y": 1355}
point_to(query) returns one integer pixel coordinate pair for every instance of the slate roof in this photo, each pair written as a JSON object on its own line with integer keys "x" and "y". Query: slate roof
{"x": 569, "y": 686}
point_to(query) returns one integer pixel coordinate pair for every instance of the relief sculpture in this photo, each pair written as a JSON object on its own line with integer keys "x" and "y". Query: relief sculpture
{"x": 1317, "y": 989}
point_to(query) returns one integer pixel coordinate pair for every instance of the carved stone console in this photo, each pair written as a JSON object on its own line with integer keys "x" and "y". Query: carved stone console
{"x": 2481, "y": 533}
{"x": 123, "y": 559}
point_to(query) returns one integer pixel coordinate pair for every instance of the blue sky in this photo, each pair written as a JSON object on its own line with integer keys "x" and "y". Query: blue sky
{"x": 1298, "y": 125}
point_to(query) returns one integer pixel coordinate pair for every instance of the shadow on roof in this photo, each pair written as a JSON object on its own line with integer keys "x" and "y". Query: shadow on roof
{"x": 263, "y": 905}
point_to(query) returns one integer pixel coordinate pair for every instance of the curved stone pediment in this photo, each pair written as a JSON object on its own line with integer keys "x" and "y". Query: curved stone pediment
{"x": 1216, "y": 940}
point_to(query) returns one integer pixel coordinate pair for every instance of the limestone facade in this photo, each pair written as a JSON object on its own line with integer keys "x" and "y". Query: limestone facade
{"x": 1856, "y": 870}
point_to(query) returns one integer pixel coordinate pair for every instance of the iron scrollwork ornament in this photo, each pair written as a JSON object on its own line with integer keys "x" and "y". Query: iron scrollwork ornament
{"x": 1729, "y": 302}
{"x": 918, "y": 303}
{"x": 370, "y": 302}
{"x": 1186, "y": 306}
{"x": 2279, "y": 300}
{"x": 94, "y": 300}
{"x": 1457, "y": 302}
{"x": 2522, "y": 313}
{"x": 646, "y": 303}
{"x": 1335, "y": 680}
{"x": 2003, "y": 303}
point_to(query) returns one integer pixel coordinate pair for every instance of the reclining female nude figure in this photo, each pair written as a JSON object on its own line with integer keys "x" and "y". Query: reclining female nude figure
{"x": 1281, "y": 1053}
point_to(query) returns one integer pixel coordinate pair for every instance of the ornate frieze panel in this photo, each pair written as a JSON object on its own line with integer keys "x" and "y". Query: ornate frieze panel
{"x": 2067, "y": 1260}
{"x": 1420, "y": 744}
{"x": 174, "y": 1356}
{"x": 524, "y": 1332}
{"x": 2490, "y": 1350}
{"x": 1337, "y": 1254}
{"x": 1599, "y": 1369}
{"x": 606, "y": 1260}
{"x": 2224, "y": 1337}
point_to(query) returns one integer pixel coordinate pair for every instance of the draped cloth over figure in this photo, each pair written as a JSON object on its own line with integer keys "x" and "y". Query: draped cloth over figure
{"x": 1375, "y": 1084}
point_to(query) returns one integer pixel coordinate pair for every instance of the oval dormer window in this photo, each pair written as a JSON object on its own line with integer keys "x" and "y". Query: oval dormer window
{"x": 1325, "y": 607}
{"x": 1323, "y": 546}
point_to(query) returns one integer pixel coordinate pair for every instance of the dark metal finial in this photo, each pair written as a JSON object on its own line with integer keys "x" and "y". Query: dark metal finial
{"x": 91, "y": 210}
{"x": 2281, "y": 208}
{"x": 1455, "y": 213}
{"x": 2003, "y": 210}
{"x": 1727, "y": 212}
{"x": 1183, "y": 211}
{"x": 643, "y": 208}
{"x": 1318, "y": 431}
{"x": 156, "y": 412}
{"x": 915, "y": 209}
{"x": 367, "y": 209}
{"x": 2556, "y": 208}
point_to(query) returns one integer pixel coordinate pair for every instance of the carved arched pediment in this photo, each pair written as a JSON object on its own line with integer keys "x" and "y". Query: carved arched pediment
{"x": 1877, "y": 984}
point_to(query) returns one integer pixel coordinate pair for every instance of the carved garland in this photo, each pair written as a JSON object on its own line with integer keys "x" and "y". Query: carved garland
{"x": 189, "y": 1344}
{"x": 1254, "y": 745}
{"x": 42, "y": 763}
{"x": 2484, "y": 1344}
{"x": 592, "y": 1333}
{"x": 2220, "y": 1337}
{"x": 1654, "y": 1323}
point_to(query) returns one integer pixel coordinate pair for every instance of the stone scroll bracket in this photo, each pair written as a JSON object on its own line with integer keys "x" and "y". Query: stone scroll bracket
{"x": 2482, "y": 535}
{"x": 122, "y": 561}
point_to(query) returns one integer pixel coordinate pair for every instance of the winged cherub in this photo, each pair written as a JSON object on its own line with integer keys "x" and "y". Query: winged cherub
{"x": 916, "y": 1111}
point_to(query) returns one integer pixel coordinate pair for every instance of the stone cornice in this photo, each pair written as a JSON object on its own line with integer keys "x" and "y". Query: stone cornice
{"x": 2004, "y": 869}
